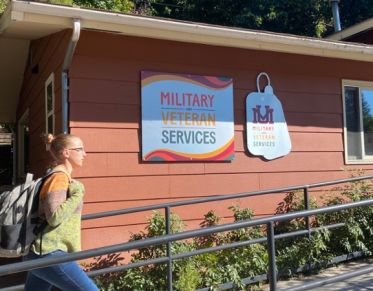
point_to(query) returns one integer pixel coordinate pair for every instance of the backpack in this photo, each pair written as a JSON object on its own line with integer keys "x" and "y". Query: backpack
{"x": 20, "y": 223}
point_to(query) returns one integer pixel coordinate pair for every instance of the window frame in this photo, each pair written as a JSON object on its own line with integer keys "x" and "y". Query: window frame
{"x": 49, "y": 81}
{"x": 360, "y": 85}
{"x": 21, "y": 147}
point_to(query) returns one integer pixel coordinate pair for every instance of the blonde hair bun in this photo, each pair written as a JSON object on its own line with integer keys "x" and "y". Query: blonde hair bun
{"x": 49, "y": 138}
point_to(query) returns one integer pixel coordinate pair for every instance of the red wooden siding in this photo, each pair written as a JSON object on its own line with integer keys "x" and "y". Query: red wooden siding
{"x": 48, "y": 54}
{"x": 105, "y": 110}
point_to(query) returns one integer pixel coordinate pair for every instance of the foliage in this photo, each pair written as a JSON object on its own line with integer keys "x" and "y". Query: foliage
{"x": 367, "y": 116}
{"x": 154, "y": 276}
{"x": 109, "y": 281}
{"x": 232, "y": 265}
{"x": 292, "y": 255}
{"x": 355, "y": 11}
{"x": 293, "y": 201}
{"x": 210, "y": 269}
{"x": 210, "y": 219}
{"x": 112, "y": 5}
{"x": 358, "y": 230}
{"x": 355, "y": 235}
{"x": 316, "y": 243}
{"x": 3, "y": 4}
{"x": 310, "y": 18}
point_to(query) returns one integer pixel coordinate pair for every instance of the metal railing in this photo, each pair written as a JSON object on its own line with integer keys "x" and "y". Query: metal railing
{"x": 169, "y": 238}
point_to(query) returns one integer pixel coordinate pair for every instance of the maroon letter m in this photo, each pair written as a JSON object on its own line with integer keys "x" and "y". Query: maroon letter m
{"x": 266, "y": 118}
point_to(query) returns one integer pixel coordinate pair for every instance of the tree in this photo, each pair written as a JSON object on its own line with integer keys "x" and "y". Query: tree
{"x": 367, "y": 116}
{"x": 309, "y": 18}
{"x": 111, "y": 5}
{"x": 355, "y": 11}
{"x": 3, "y": 4}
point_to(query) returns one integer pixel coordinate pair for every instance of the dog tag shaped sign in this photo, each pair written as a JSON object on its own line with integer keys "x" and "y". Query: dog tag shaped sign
{"x": 266, "y": 129}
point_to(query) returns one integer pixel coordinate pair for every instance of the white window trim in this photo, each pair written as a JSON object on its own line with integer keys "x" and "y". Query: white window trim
{"x": 357, "y": 84}
{"x": 21, "y": 144}
{"x": 50, "y": 80}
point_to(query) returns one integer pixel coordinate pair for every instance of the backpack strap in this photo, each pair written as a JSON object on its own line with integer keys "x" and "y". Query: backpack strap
{"x": 29, "y": 178}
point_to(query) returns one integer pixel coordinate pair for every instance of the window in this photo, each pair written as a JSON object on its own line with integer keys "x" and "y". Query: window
{"x": 49, "y": 105}
{"x": 358, "y": 121}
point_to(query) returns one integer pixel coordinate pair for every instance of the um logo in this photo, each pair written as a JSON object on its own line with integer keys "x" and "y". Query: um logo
{"x": 266, "y": 118}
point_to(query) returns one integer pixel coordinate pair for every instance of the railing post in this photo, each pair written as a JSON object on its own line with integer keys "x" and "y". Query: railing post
{"x": 307, "y": 207}
{"x": 272, "y": 276}
{"x": 168, "y": 251}
{"x": 307, "y": 219}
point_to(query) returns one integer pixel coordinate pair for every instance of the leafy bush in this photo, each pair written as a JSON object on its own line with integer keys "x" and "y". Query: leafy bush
{"x": 232, "y": 265}
{"x": 108, "y": 281}
{"x": 153, "y": 277}
{"x": 357, "y": 233}
{"x": 235, "y": 264}
{"x": 206, "y": 270}
{"x": 316, "y": 244}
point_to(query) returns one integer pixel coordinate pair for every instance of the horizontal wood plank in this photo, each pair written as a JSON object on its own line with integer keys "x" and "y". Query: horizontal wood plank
{"x": 118, "y": 140}
{"x": 110, "y": 69}
{"x": 129, "y": 116}
{"x": 153, "y": 188}
{"x": 109, "y": 140}
{"x": 130, "y": 164}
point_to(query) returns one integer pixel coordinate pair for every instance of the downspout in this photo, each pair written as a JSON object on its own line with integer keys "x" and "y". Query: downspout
{"x": 65, "y": 75}
{"x": 337, "y": 21}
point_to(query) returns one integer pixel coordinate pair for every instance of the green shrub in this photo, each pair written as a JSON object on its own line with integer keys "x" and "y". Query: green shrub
{"x": 357, "y": 233}
{"x": 316, "y": 245}
{"x": 154, "y": 277}
{"x": 234, "y": 264}
{"x": 108, "y": 281}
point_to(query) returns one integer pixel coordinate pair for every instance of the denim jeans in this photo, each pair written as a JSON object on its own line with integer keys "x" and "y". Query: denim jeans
{"x": 66, "y": 276}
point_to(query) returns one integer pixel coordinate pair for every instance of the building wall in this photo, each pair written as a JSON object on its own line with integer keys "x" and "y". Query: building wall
{"x": 46, "y": 57}
{"x": 105, "y": 110}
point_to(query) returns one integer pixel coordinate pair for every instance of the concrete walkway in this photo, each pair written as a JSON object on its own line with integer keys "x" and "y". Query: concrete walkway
{"x": 362, "y": 282}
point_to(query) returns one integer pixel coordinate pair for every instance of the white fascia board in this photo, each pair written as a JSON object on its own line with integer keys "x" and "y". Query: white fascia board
{"x": 355, "y": 29}
{"x": 189, "y": 32}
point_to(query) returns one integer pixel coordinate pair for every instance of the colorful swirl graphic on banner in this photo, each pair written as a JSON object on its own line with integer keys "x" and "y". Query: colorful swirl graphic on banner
{"x": 224, "y": 153}
{"x": 216, "y": 83}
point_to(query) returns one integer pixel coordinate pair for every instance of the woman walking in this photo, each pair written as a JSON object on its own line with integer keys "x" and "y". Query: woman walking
{"x": 60, "y": 204}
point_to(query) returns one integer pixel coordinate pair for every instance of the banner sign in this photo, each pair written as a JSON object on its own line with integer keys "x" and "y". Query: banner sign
{"x": 186, "y": 117}
{"x": 266, "y": 128}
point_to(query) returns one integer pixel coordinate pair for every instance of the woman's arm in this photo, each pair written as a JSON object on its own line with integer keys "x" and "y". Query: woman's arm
{"x": 59, "y": 203}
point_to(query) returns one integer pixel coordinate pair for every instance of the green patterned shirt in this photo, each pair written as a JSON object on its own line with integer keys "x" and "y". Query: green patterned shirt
{"x": 62, "y": 210}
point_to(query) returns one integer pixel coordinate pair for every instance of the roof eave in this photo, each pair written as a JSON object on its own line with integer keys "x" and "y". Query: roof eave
{"x": 60, "y": 17}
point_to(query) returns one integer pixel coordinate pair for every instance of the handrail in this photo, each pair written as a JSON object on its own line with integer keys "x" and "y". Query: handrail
{"x": 169, "y": 238}
{"x": 219, "y": 198}
{"x": 338, "y": 278}
{"x": 39, "y": 263}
